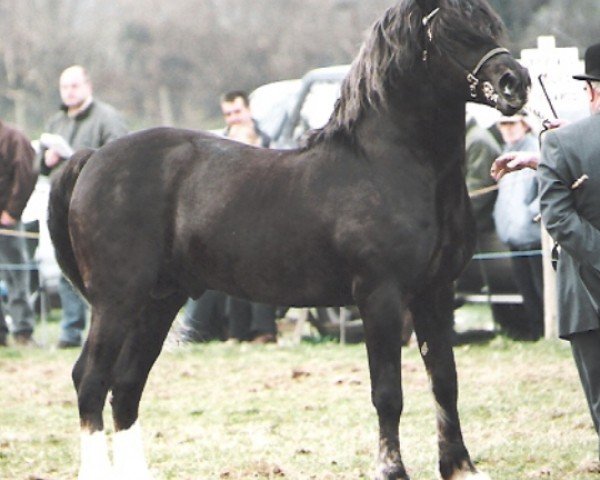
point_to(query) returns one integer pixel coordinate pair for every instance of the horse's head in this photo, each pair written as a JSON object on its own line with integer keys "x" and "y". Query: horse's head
{"x": 462, "y": 45}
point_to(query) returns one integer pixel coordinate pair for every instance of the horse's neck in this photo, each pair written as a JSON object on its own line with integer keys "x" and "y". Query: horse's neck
{"x": 433, "y": 132}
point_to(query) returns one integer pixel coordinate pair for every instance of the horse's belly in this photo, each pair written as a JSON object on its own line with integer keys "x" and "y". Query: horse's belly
{"x": 289, "y": 277}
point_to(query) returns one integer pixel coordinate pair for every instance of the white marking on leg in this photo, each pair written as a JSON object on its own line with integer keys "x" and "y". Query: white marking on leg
{"x": 128, "y": 455}
{"x": 442, "y": 414}
{"x": 470, "y": 476}
{"x": 95, "y": 464}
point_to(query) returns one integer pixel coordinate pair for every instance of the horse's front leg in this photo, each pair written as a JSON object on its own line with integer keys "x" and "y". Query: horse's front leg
{"x": 381, "y": 308}
{"x": 433, "y": 321}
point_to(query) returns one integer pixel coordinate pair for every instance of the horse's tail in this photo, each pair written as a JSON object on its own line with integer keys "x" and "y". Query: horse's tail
{"x": 63, "y": 182}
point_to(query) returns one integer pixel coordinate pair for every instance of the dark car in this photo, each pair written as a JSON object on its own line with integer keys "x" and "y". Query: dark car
{"x": 488, "y": 278}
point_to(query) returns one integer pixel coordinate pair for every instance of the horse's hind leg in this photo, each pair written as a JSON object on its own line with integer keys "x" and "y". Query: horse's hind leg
{"x": 92, "y": 377}
{"x": 381, "y": 309}
{"x": 432, "y": 315}
{"x": 139, "y": 352}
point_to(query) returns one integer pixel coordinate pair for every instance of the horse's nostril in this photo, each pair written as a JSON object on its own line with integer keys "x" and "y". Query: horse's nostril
{"x": 508, "y": 84}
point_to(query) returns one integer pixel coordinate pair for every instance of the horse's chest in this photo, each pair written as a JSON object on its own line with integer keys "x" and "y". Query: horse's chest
{"x": 456, "y": 234}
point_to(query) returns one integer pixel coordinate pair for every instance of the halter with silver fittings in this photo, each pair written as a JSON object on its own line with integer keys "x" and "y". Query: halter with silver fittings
{"x": 487, "y": 88}
{"x": 426, "y": 23}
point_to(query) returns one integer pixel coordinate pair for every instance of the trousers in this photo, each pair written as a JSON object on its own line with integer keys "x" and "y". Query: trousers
{"x": 585, "y": 347}
{"x": 205, "y": 318}
{"x": 249, "y": 319}
{"x": 529, "y": 279}
{"x": 74, "y": 312}
{"x": 13, "y": 254}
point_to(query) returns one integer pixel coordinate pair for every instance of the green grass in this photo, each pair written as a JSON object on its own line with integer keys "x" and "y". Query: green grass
{"x": 303, "y": 412}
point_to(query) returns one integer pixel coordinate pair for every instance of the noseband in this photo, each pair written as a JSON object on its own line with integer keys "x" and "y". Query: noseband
{"x": 487, "y": 88}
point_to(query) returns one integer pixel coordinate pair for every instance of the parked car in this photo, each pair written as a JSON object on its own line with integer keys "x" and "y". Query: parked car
{"x": 271, "y": 103}
{"x": 312, "y": 106}
{"x": 485, "y": 279}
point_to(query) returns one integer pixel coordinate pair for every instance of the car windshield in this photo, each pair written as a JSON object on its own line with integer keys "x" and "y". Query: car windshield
{"x": 271, "y": 102}
{"x": 319, "y": 103}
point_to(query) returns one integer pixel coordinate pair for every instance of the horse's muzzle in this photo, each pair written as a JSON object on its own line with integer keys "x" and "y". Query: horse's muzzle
{"x": 513, "y": 89}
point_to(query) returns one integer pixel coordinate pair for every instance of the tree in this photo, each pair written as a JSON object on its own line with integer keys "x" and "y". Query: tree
{"x": 572, "y": 25}
{"x": 168, "y": 62}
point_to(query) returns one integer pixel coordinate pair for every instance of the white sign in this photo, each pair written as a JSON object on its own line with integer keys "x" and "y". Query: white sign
{"x": 555, "y": 67}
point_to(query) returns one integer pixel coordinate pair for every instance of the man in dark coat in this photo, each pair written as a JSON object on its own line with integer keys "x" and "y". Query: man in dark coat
{"x": 569, "y": 176}
{"x": 17, "y": 181}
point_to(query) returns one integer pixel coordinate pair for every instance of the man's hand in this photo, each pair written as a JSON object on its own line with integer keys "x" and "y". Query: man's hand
{"x": 6, "y": 220}
{"x": 552, "y": 123}
{"x": 51, "y": 158}
{"x": 512, "y": 161}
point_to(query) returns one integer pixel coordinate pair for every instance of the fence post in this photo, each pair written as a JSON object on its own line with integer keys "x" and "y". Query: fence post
{"x": 550, "y": 299}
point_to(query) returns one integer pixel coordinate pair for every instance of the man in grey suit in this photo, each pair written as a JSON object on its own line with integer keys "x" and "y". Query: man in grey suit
{"x": 569, "y": 178}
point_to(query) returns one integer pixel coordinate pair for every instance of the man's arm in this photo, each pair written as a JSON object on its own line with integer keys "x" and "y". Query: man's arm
{"x": 113, "y": 126}
{"x": 22, "y": 155}
{"x": 512, "y": 161}
{"x": 561, "y": 218}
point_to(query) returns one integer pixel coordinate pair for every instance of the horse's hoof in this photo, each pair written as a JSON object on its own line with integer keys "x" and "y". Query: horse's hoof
{"x": 391, "y": 473}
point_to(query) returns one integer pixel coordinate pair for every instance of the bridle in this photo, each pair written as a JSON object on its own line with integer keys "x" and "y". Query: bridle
{"x": 471, "y": 75}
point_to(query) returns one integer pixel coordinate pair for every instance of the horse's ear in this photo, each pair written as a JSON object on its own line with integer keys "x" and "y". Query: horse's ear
{"x": 427, "y": 6}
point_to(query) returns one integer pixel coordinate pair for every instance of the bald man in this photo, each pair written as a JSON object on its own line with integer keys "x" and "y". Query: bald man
{"x": 83, "y": 122}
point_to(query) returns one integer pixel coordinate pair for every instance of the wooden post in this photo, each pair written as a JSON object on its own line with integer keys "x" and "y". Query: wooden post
{"x": 550, "y": 298}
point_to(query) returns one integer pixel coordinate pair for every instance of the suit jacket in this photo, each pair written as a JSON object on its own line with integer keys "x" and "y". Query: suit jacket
{"x": 572, "y": 217}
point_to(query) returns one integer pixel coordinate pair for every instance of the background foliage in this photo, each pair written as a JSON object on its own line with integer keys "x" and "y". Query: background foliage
{"x": 167, "y": 62}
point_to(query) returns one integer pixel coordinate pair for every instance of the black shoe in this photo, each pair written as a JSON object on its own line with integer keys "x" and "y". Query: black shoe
{"x": 64, "y": 344}
{"x": 472, "y": 336}
{"x": 25, "y": 340}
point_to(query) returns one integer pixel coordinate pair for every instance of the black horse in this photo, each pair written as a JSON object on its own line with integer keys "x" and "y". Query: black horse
{"x": 373, "y": 210}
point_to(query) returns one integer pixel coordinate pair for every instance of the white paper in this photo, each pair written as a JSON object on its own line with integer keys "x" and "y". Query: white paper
{"x": 56, "y": 143}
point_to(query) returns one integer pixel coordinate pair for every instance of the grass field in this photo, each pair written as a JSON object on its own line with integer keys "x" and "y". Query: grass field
{"x": 303, "y": 412}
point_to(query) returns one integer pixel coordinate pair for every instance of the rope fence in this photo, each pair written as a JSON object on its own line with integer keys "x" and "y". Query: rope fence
{"x": 19, "y": 266}
{"x": 500, "y": 255}
{"x": 18, "y": 233}
{"x": 34, "y": 266}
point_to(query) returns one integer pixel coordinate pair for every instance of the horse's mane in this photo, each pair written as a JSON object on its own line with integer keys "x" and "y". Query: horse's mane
{"x": 393, "y": 49}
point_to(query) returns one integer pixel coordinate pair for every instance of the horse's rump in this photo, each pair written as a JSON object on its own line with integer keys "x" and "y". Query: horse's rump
{"x": 63, "y": 182}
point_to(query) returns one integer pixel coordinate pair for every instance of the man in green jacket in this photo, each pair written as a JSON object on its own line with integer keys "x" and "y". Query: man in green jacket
{"x": 82, "y": 122}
